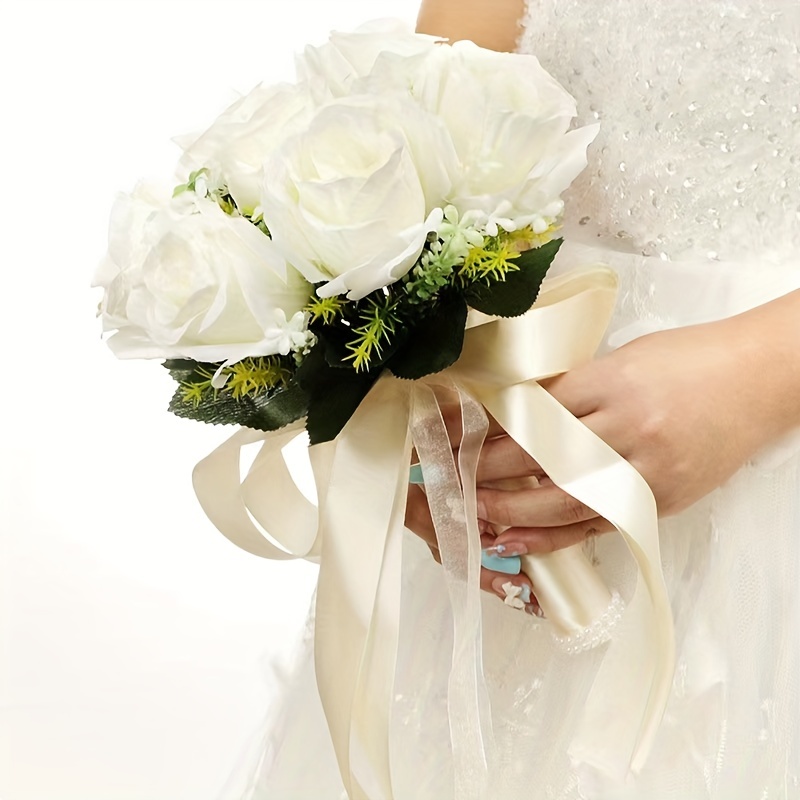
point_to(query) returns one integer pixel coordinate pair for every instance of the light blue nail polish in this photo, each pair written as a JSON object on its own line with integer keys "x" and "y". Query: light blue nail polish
{"x": 415, "y": 474}
{"x": 510, "y": 566}
{"x": 525, "y": 595}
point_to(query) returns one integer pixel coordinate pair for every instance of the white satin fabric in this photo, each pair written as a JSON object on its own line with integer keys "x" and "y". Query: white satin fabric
{"x": 731, "y": 730}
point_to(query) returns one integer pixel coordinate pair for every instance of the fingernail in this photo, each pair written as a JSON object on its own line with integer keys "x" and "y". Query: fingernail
{"x": 415, "y": 474}
{"x": 534, "y": 609}
{"x": 525, "y": 594}
{"x": 507, "y": 550}
{"x": 510, "y": 566}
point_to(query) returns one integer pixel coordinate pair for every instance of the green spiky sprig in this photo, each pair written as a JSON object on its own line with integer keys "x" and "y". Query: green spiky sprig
{"x": 496, "y": 257}
{"x": 249, "y": 377}
{"x": 252, "y": 376}
{"x": 379, "y": 319}
{"x": 490, "y": 262}
{"x": 326, "y": 309}
{"x": 194, "y": 391}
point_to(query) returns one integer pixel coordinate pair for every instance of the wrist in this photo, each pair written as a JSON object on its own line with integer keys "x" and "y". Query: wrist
{"x": 766, "y": 341}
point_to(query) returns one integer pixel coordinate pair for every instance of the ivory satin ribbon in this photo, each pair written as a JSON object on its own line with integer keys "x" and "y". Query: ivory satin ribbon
{"x": 356, "y": 537}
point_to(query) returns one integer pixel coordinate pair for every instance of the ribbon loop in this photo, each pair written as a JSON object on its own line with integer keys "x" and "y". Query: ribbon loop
{"x": 282, "y": 509}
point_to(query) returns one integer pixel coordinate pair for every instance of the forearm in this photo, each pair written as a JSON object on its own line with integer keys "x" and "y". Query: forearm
{"x": 769, "y": 337}
{"x": 493, "y": 24}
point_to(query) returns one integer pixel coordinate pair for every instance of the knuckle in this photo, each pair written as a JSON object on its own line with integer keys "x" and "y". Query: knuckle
{"x": 571, "y": 509}
{"x": 653, "y": 427}
{"x": 498, "y": 508}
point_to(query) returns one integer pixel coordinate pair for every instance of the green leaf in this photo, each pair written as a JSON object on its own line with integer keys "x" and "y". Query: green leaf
{"x": 182, "y": 369}
{"x": 219, "y": 410}
{"x": 279, "y": 409}
{"x": 333, "y": 393}
{"x": 332, "y": 340}
{"x": 517, "y": 293}
{"x": 434, "y": 343}
{"x": 267, "y": 411}
{"x": 334, "y": 343}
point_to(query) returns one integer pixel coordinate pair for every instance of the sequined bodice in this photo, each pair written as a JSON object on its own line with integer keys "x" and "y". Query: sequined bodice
{"x": 699, "y": 103}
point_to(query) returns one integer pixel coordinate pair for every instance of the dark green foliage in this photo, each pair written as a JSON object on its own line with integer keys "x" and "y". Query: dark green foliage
{"x": 517, "y": 293}
{"x": 333, "y": 394}
{"x": 434, "y": 343}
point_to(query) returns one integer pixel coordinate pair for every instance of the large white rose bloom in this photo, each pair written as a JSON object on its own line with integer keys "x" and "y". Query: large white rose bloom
{"x": 351, "y": 200}
{"x": 235, "y": 146}
{"x": 331, "y": 69}
{"x": 184, "y": 279}
{"x": 509, "y": 120}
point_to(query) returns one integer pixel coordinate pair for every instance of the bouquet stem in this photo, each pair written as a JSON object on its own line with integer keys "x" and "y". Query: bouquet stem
{"x": 571, "y": 593}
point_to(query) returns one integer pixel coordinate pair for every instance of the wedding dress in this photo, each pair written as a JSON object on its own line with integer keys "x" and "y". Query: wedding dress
{"x": 692, "y": 195}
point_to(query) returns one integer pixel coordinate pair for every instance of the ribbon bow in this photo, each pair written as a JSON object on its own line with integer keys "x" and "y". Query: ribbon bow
{"x": 362, "y": 480}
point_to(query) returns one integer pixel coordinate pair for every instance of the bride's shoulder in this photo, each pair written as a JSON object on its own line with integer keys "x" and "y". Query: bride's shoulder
{"x": 494, "y": 24}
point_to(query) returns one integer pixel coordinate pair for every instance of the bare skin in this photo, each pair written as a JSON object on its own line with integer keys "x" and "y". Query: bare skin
{"x": 493, "y": 24}
{"x": 687, "y": 407}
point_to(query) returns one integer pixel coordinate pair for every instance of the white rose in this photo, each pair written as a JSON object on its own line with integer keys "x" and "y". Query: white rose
{"x": 186, "y": 280}
{"x": 240, "y": 139}
{"x": 351, "y": 201}
{"x": 331, "y": 69}
{"x": 509, "y": 121}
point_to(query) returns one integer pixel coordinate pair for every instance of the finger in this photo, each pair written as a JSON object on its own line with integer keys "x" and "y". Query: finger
{"x": 418, "y": 515}
{"x": 520, "y": 541}
{"x": 435, "y": 553}
{"x": 494, "y": 583}
{"x": 545, "y": 506}
{"x": 503, "y": 458}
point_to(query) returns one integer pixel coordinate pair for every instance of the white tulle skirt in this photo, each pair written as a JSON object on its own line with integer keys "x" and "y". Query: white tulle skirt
{"x": 732, "y": 563}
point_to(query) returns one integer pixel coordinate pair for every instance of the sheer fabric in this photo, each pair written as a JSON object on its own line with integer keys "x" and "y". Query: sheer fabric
{"x": 693, "y": 195}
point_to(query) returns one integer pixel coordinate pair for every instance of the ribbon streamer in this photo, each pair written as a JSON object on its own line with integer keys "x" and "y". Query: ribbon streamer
{"x": 356, "y": 535}
{"x": 454, "y": 513}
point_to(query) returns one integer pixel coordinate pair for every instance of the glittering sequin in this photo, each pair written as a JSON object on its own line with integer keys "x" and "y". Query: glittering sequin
{"x": 674, "y": 172}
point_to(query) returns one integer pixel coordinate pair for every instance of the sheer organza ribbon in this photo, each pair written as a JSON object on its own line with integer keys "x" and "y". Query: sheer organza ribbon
{"x": 356, "y": 531}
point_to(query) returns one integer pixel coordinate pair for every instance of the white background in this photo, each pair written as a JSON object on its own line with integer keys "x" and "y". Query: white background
{"x": 136, "y": 643}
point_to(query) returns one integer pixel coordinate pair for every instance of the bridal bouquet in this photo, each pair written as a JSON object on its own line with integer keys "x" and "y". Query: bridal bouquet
{"x": 328, "y": 230}
{"x": 336, "y": 250}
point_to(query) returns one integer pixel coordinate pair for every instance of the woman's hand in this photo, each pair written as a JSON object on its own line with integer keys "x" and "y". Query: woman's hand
{"x": 686, "y": 407}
